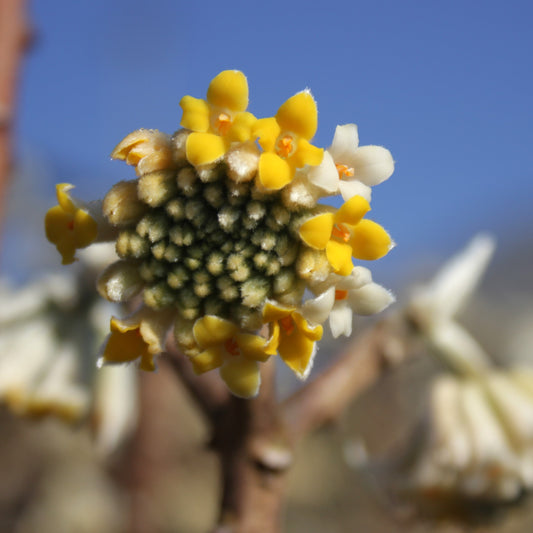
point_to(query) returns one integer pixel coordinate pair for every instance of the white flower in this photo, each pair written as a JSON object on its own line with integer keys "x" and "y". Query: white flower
{"x": 356, "y": 168}
{"x": 434, "y": 306}
{"x": 339, "y": 297}
{"x": 480, "y": 436}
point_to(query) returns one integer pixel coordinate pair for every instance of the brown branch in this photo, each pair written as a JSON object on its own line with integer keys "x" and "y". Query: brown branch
{"x": 13, "y": 39}
{"x": 208, "y": 391}
{"x": 362, "y": 364}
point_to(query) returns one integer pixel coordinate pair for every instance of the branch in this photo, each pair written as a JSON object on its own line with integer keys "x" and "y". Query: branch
{"x": 208, "y": 391}
{"x": 13, "y": 40}
{"x": 362, "y": 364}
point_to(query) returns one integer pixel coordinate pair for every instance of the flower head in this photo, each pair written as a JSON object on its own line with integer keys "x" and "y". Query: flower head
{"x": 218, "y": 245}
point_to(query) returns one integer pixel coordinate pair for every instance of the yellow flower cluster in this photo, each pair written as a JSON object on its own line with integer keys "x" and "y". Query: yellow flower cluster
{"x": 221, "y": 237}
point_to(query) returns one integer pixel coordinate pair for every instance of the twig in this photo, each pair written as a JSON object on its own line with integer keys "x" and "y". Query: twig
{"x": 13, "y": 39}
{"x": 362, "y": 364}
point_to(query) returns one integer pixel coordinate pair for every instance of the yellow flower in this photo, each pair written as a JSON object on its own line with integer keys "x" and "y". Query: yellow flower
{"x": 294, "y": 337}
{"x": 219, "y": 120}
{"x": 344, "y": 234}
{"x": 223, "y": 345}
{"x": 285, "y": 141}
{"x": 68, "y": 226}
{"x": 138, "y": 337}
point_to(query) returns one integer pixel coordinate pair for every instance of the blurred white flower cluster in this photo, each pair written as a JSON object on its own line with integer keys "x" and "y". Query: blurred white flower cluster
{"x": 480, "y": 439}
{"x": 49, "y": 331}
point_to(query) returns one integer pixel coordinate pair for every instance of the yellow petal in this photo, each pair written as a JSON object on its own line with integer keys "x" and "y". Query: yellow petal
{"x": 229, "y": 90}
{"x": 195, "y": 114}
{"x": 207, "y": 360}
{"x": 299, "y": 115}
{"x": 369, "y": 241}
{"x": 316, "y": 232}
{"x": 306, "y": 154}
{"x": 266, "y": 131}
{"x": 85, "y": 229}
{"x": 125, "y": 344}
{"x": 352, "y": 211}
{"x": 241, "y": 376}
{"x": 274, "y": 172}
{"x": 339, "y": 255}
{"x": 273, "y": 312}
{"x": 296, "y": 350}
{"x": 241, "y": 127}
{"x": 212, "y": 330}
{"x": 252, "y": 347}
{"x": 63, "y": 197}
{"x": 313, "y": 333}
{"x": 204, "y": 148}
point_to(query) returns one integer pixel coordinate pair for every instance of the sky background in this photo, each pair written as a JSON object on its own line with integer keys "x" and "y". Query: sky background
{"x": 446, "y": 86}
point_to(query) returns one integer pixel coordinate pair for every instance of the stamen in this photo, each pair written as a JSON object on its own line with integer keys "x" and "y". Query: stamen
{"x": 232, "y": 347}
{"x": 341, "y": 295}
{"x": 222, "y": 123}
{"x": 341, "y": 232}
{"x": 287, "y": 324}
{"x": 344, "y": 171}
{"x": 284, "y": 146}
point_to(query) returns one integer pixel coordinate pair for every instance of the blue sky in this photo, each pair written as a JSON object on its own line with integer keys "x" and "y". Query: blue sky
{"x": 446, "y": 86}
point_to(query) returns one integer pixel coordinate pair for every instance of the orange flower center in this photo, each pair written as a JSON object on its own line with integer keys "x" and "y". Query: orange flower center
{"x": 341, "y": 295}
{"x": 70, "y": 225}
{"x": 344, "y": 171}
{"x": 285, "y": 146}
{"x": 287, "y": 324}
{"x": 340, "y": 231}
{"x": 232, "y": 347}
{"x": 222, "y": 123}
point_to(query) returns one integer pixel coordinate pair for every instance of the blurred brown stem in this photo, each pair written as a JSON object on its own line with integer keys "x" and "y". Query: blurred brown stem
{"x": 254, "y": 438}
{"x": 13, "y": 39}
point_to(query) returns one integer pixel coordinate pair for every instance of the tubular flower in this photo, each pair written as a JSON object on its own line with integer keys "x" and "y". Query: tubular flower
{"x": 344, "y": 234}
{"x": 222, "y": 345}
{"x": 285, "y": 141}
{"x": 69, "y": 225}
{"x": 295, "y": 337}
{"x": 339, "y": 297}
{"x": 216, "y": 239}
{"x": 358, "y": 167}
{"x": 219, "y": 120}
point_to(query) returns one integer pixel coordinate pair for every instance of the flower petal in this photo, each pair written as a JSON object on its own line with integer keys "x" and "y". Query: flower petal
{"x": 369, "y": 241}
{"x": 274, "y": 172}
{"x": 209, "y": 359}
{"x": 195, "y": 114}
{"x": 339, "y": 256}
{"x": 212, "y": 330}
{"x": 345, "y": 142}
{"x": 242, "y": 377}
{"x": 306, "y": 154}
{"x": 241, "y": 127}
{"x": 299, "y": 115}
{"x": 352, "y": 211}
{"x": 204, "y": 148}
{"x": 340, "y": 320}
{"x": 229, "y": 90}
{"x": 253, "y": 347}
{"x": 325, "y": 175}
{"x": 297, "y": 351}
{"x": 273, "y": 312}
{"x": 317, "y": 309}
{"x": 370, "y": 299}
{"x": 316, "y": 232}
{"x": 372, "y": 164}
{"x": 352, "y": 188}
{"x": 266, "y": 131}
